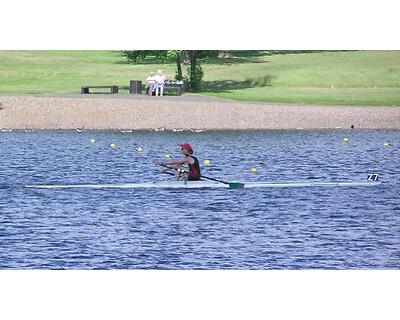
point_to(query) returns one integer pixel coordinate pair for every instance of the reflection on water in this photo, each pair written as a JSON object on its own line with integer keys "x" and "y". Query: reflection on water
{"x": 268, "y": 228}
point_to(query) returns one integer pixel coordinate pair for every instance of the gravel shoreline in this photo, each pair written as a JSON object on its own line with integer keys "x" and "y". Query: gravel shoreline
{"x": 130, "y": 112}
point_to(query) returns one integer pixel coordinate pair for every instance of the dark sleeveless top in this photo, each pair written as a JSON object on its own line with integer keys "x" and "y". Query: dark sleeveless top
{"x": 194, "y": 169}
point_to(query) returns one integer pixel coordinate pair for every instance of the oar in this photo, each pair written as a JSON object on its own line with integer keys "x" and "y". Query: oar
{"x": 232, "y": 185}
{"x": 170, "y": 173}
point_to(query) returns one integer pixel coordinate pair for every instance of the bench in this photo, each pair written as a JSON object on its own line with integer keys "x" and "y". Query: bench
{"x": 113, "y": 89}
{"x": 177, "y": 86}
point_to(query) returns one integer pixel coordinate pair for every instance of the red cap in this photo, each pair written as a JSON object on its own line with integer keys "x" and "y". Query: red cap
{"x": 186, "y": 146}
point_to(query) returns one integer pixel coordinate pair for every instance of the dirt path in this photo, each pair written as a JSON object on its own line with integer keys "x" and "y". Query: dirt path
{"x": 130, "y": 112}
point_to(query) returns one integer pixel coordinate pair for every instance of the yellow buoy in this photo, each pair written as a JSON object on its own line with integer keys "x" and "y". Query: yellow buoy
{"x": 345, "y": 139}
{"x": 167, "y": 156}
{"x": 113, "y": 145}
{"x": 139, "y": 149}
{"x": 207, "y": 162}
{"x": 386, "y": 145}
{"x": 92, "y": 141}
{"x": 253, "y": 170}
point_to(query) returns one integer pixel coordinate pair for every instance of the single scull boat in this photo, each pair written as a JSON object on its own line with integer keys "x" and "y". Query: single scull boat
{"x": 209, "y": 184}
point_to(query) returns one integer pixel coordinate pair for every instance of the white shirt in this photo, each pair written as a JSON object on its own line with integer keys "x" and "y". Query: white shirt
{"x": 160, "y": 79}
{"x": 151, "y": 79}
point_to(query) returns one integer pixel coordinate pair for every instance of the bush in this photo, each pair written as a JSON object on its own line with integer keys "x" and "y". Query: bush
{"x": 260, "y": 81}
{"x": 134, "y": 56}
{"x": 143, "y": 55}
{"x": 264, "y": 81}
{"x": 251, "y": 82}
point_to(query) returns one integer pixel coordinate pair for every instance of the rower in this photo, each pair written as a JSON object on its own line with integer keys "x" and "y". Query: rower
{"x": 189, "y": 159}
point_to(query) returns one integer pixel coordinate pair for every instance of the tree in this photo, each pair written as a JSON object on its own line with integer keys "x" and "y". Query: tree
{"x": 194, "y": 77}
{"x": 177, "y": 56}
{"x": 195, "y": 72}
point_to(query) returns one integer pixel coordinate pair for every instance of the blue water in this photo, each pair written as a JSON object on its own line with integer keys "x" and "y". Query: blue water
{"x": 283, "y": 228}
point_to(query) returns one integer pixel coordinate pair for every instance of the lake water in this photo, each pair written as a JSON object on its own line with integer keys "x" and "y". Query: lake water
{"x": 262, "y": 228}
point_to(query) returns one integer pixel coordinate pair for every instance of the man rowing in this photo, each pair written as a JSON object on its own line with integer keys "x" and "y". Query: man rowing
{"x": 189, "y": 159}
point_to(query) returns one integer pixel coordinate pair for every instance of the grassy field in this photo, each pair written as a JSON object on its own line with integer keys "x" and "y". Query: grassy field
{"x": 330, "y": 77}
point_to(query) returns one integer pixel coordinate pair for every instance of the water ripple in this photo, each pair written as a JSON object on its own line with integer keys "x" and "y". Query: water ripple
{"x": 298, "y": 228}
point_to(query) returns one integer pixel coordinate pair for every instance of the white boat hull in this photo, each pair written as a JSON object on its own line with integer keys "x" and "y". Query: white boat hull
{"x": 208, "y": 184}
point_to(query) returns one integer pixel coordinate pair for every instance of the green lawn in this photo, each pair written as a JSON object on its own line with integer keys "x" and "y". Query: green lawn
{"x": 330, "y": 77}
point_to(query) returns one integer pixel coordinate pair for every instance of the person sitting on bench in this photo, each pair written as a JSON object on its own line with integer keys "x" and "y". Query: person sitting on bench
{"x": 150, "y": 84}
{"x": 160, "y": 80}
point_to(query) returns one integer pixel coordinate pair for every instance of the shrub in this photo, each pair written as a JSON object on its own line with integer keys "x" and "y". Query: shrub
{"x": 251, "y": 82}
{"x": 260, "y": 81}
{"x": 264, "y": 81}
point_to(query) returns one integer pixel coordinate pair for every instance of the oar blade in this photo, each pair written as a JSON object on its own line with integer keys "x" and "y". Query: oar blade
{"x": 236, "y": 185}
